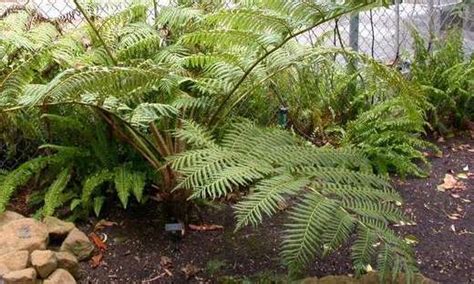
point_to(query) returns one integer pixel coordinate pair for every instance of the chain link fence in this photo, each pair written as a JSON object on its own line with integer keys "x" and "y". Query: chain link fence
{"x": 383, "y": 33}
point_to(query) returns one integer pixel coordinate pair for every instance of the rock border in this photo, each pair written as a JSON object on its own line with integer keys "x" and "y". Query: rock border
{"x": 27, "y": 254}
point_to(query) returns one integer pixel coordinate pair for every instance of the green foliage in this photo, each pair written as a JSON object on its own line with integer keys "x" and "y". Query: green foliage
{"x": 79, "y": 169}
{"x": 446, "y": 77}
{"x": 18, "y": 177}
{"x": 332, "y": 192}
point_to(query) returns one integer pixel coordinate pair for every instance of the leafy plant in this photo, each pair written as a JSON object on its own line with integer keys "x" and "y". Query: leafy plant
{"x": 83, "y": 168}
{"x": 446, "y": 77}
{"x": 332, "y": 192}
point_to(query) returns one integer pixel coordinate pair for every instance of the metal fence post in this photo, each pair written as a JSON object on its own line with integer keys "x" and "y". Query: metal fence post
{"x": 397, "y": 29}
{"x": 354, "y": 44}
{"x": 431, "y": 23}
{"x": 354, "y": 32}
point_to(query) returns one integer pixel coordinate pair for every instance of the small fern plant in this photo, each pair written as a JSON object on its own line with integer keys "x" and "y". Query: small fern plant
{"x": 80, "y": 169}
{"x": 445, "y": 74}
{"x": 332, "y": 193}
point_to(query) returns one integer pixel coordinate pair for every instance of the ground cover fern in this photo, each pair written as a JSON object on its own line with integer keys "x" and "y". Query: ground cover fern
{"x": 445, "y": 73}
{"x": 79, "y": 170}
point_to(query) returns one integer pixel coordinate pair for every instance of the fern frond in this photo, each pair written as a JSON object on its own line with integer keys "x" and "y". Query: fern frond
{"x": 195, "y": 135}
{"x": 341, "y": 194}
{"x": 307, "y": 222}
{"x": 52, "y": 199}
{"x": 120, "y": 80}
{"x": 128, "y": 182}
{"x": 145, "y": 113}
{"x": 19, "y": 177}
{"x": 267, "y": 196}
{"x": 91, "y": 183}
{"x": 363, "y": 249}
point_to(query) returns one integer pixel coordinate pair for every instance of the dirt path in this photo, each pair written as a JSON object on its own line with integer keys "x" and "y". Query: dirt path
{"x": 444, "y": 230}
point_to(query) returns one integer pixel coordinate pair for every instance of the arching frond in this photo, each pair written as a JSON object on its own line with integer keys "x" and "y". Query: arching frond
{"x": 337, "y": 194}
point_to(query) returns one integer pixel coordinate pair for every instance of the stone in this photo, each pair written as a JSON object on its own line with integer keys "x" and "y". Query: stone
{"x": 338, "y": 280}
{"x": 78, "y": 244}
{"x": 58, "y": 228}
{"x": 60, "y": 276}
{"x": 68, "y": 262}
{"x": 44, "y": 261}
{"x": 3, "y": 270}
{"x": 25, "y": 276}
{"x": 16, "y": 260}
{"x": 24, "y": 234}
{"x": 8, "y": 216}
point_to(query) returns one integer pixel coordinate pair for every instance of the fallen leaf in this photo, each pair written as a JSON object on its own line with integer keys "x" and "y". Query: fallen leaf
{"x": 411, "y": 239}
{"x": 449, "y": 181}
{"x": 453, "y": 195}
{"x": 98, "y": 242}
{"x": 104, "y": 223}
{"x": 166, "y": 262}
{"x": 205, "y": 227}
{"x": 465, "y": 200}
{"x": 462, "y": 176}
{"x": 440, "y": 188}
{"x": 190, "y": 270}
{"x": 454, "y": 216}
{"x": 96, "y": 260}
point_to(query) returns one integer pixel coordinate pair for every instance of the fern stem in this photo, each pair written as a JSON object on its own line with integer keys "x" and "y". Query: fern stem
{"x": 215, "y": 116}
{"x": 162, "y": 147}
{"x": 96, "y": 32}
{"x": 155, "y": 10}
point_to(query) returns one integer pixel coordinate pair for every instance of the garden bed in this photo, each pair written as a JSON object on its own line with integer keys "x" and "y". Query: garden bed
{"x": 444, "y": 229}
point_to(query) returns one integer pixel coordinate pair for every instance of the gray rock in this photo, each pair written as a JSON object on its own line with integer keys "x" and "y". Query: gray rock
{"x": 68, "y": 262}
{"x": 58, "y": 228}
{"x": 16, "y": 260}
{"x": 8, "y": 216}
{"x": 78, "y": 244}
{"x": 25, "y": 276}
{"x": 24, "y": 234}
{"x": 60, "y": 276}
{"x": 44, "y": 261}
